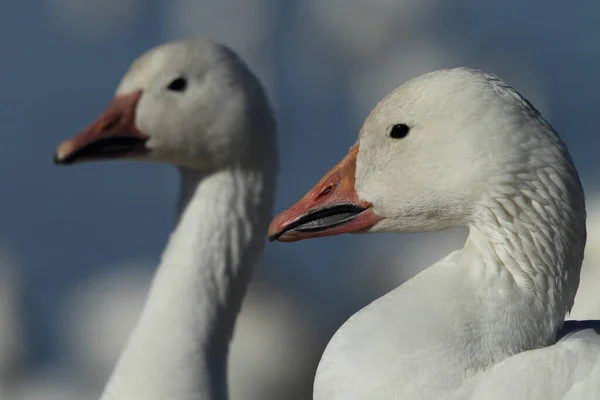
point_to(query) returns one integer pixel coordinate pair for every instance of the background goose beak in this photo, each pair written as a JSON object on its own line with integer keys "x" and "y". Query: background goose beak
{"x": 112, "y": 135}
{"x": 331, "y": 207}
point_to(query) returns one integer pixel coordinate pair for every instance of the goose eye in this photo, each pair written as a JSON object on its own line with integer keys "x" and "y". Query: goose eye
{"x": 178, "y": 84}
{"x": 399, "y": 131}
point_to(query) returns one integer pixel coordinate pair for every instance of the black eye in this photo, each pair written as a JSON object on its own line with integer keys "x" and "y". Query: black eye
{"x": 399, "y": 131}
{"x": 178, "y": 84}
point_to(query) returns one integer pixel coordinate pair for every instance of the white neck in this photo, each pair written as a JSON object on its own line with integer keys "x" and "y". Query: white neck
{"x": 521, "y": 265}
{"x": 505, "y": 292}
{"x": 179, "y": 347}
{"x": 519, "y": 270}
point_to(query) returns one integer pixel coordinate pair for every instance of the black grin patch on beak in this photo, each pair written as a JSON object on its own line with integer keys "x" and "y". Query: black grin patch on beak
{"x": 104, "y": 148}
{"x": 323, "y": 219}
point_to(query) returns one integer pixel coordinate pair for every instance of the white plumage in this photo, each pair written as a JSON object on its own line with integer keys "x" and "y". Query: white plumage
{"x": 486, "y": 321}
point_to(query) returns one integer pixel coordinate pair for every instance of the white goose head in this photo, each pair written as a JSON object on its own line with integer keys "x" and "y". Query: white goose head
{"x": 435, "y": 153}
{"x": 190, "y": 103}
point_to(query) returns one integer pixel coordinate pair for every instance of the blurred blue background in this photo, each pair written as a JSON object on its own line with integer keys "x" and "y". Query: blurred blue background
{"x": 78, "y": 245}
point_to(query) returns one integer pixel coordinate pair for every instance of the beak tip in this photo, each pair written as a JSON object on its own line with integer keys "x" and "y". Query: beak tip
{"x": 60, "y": 158}
{"x": 272, "y": 235}
{"x": 61, "y": 154}
{"x": 277, "y": 229}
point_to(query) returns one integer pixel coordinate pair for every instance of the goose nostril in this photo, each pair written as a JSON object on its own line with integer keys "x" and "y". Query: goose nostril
{"x": 112, "y": 123}
{"x": 326, "y": 192}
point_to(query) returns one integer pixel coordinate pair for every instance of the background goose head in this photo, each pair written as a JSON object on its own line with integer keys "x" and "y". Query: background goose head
{"x": 190, "y": 103}
{"x": 196, "y": 105}
{"x": 438, "y": 152}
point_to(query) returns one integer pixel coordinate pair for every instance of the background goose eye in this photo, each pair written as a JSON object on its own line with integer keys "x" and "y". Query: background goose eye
{"x": 399, "y": 131}
{"x": 178, "y": 84}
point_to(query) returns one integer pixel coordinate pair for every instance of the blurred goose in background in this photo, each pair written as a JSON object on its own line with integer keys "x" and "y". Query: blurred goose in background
{"x": 12, "y": 327}
{"x": 271, "y": 329}
{"x": 275, "y": 348}
{"x": 98, "y": 318}
{"x": 587, "y": 300}
{"x": 460, "y": 147}
{"x": 193, "y": 104}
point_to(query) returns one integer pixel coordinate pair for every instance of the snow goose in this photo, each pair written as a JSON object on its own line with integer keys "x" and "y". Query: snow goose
{"x": 193, "y": 104}
{"x": 460, "y": 147}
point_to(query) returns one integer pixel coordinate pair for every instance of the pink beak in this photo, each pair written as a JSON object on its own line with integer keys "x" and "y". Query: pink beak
{"x": 112, "y": 135}
{"x": 331, "y": 207}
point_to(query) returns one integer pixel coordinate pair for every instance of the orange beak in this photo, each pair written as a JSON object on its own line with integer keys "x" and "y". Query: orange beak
{"x": 332, "y": 207}
{"x": 112, "y": 135}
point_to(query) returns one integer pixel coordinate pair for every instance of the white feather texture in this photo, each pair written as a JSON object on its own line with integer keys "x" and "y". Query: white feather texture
{"x": 482, "y": 322}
